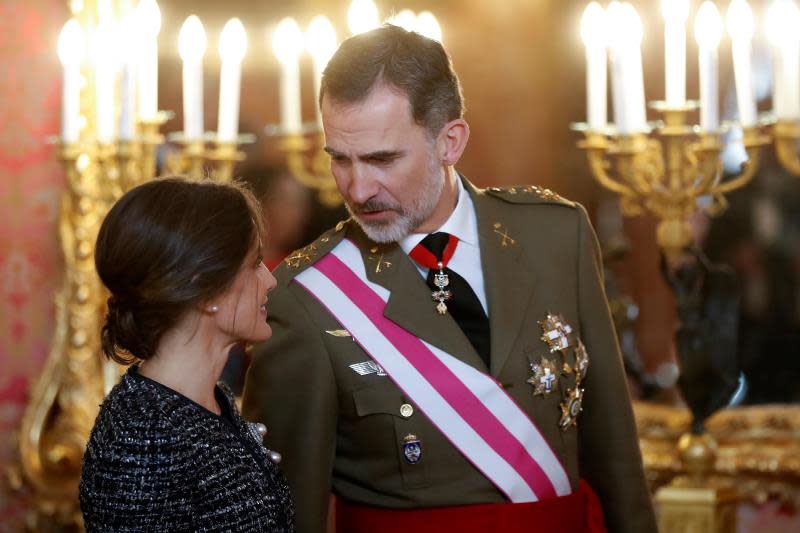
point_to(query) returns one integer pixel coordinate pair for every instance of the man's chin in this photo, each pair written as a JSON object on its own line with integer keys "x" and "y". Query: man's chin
{"x": 384, "y": 232}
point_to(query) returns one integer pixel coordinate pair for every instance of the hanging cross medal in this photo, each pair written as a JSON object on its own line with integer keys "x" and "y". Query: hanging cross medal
{"x": 436, "y": 262}
{"x": 441, "y": 280}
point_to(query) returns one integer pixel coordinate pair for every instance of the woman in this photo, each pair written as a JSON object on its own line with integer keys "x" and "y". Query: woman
{"x": 169, "y": 450}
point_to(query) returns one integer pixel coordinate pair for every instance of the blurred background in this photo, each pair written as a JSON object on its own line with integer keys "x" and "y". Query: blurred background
{"x": 522, "y": 67}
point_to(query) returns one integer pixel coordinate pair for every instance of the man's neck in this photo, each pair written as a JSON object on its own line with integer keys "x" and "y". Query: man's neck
{"x": 447, "y": 203}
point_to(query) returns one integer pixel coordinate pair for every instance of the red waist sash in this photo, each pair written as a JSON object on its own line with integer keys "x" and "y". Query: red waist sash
{"x": 579, "y": 512}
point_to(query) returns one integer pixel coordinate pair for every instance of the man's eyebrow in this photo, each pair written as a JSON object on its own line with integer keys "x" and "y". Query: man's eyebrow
{"x": 382, "y": 154}
{"x": 378, "y": 154}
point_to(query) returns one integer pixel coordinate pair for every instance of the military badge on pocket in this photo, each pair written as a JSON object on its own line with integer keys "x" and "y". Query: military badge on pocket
{"x": 412, "y": 449}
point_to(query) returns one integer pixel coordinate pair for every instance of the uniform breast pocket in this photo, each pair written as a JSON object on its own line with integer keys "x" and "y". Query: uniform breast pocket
{"x": 392, "y": 430}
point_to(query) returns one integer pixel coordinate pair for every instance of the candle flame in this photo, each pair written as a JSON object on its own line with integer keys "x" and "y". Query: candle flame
{"x": 70, "y": 43}
{"x": 192, "y": 40}
{"x": 782, "y": 21}
{"x": 428, "y": 26}
{"x": 148, "y": 18}
{"x": 321, "y": 39}
{"x": 233, "y": 41}
{"x": 593, "y": 25}
{"x": 406, "y": 19}
{"x": 362, "y": 16}
{"x": 287, "y": 40}
{"x": 708, "y": 26}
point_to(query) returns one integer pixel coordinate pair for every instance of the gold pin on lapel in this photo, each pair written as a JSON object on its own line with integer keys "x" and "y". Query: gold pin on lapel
{"x": 505, "y": 238}
{"x": 304, "y": 255}
{"x": 338, "y": 332}
{"x": 377, "y": 256}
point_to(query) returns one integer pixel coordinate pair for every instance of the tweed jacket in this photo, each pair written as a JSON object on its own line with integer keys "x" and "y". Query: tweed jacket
{"x": 157, "y": 461}
{"x": 342, "y": 431}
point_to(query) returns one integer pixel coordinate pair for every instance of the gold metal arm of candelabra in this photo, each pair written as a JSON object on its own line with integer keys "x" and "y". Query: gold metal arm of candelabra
{"x": 75, "y": 379}
{"x": 670, "y": 173}
{"x": 193, "y": 156}
{"x": 786, "y": 136}
{"x": 310, "y": 165}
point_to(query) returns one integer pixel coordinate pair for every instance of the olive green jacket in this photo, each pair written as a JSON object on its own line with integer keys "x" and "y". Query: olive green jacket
{"x": 342, "y": 431}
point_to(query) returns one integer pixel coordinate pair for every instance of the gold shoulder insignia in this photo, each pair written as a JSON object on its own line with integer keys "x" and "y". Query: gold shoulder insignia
{"x": 528, "y": 194}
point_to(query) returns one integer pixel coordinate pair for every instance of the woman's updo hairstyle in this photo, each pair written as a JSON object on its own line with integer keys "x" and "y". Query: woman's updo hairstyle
{"x": 165, "y": 246}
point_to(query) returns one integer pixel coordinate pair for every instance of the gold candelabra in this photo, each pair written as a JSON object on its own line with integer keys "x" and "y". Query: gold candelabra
{"x": 672, "y": 172}
{"x": 208, "y": 157}
{"x": 64, "y": 401}
{"x": 307, "y": 162}
{"x": 786, "y": 136}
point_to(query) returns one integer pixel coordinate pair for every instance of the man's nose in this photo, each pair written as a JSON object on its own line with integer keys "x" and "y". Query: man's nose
{"x": 363, "y": 185}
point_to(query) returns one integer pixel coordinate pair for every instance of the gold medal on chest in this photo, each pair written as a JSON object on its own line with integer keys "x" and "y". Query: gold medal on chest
{"x": 545, "y": 377}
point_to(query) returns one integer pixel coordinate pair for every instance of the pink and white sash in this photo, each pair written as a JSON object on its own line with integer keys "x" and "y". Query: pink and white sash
{"x": 469, "y": 407}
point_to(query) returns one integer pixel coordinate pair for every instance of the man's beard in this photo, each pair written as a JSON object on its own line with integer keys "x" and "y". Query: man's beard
{"x": 409, "y": 217}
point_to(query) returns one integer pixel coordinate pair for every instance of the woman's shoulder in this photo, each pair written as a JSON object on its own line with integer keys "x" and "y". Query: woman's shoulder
{"x": 135, "y": 414}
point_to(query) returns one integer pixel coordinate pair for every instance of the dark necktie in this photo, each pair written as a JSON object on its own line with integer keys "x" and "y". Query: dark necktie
{"x": 434, "y": 251}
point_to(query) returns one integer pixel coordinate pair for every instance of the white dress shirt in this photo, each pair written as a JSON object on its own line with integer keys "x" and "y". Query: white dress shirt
{"x": 466, "y": 260}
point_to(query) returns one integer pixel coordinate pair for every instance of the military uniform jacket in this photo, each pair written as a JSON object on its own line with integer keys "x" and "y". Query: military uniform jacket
{"x": 343, "y": 431}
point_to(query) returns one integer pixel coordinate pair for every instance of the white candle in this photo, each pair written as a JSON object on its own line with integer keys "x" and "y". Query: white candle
{"x": 362, "y": 16}
{"x": 675, "y": 14}
{"x": 708, "y": 32}
{"x": 405, "y": 19}
{"x": 427, "y": 25}
{"x": 192, "y": 46}
{"x": 70, "y": 50}
{"x": 740, "y": 28}
{"x": 627, "y": 76}
{"x": 148, "y": 24}
{"x": 232, "y": 47}
{"x": 783, "y": 19}
{"x": 287, "y": 43}
{"x": 104, "y": 55}
{"x": 127, "y": 87}
{"x": 593, "y": 33}
{"x": 321, "y": 44}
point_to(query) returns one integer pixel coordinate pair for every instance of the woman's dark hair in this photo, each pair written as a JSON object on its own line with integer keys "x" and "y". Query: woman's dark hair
{"x": 164, "y": 246}
{"x": 417, "y": 66}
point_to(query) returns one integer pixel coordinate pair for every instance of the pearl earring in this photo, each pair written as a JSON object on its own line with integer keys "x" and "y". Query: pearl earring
{"x": 213, "y": 308}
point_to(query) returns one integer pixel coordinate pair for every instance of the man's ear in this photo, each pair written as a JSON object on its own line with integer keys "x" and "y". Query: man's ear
{"x": 453, "y": 140}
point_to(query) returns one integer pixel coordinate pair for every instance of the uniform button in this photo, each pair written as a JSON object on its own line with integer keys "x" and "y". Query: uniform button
{"x": 406, "y": 410}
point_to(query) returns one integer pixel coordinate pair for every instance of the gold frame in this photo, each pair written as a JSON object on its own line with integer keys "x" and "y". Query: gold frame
{"x": 758, "y": 448}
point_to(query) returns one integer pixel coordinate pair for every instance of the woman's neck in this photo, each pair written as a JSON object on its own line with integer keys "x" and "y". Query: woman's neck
{"x": 190, "y": 364}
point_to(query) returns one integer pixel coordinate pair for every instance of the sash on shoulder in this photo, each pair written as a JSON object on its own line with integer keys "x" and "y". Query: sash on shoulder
{"x": 468, "y": 406}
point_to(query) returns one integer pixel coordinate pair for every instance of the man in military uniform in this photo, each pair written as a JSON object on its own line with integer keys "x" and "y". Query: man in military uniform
{"x": 445, "y": 357}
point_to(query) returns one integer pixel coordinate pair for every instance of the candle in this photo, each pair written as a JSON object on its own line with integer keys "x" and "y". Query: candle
{"x": 127, "y": 109}
{"x": 428, "y": 26}
{"x": 362, "y": 16}
{"x": 783, "y": 19}
{"x": 287, "y": 43}
{"x": 321, "y": 44}
{"x": 708, "y": 32}
{"x": 740, "y": 28}
{"x": 192, "y": 47}
{"x": 627, "y": 77}
{"x": 406, "y": 19}
{"x": 232, "y": 47}
{"x": 104, "y": 55}
{"x": 148, "y": 24}
{"x": 593, "y": 33}
{"x": 675, "y": 14}
{"x": 70, "y": 50}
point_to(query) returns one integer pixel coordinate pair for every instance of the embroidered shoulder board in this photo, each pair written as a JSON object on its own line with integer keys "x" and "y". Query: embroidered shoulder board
{"x": 528, "y": 194}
